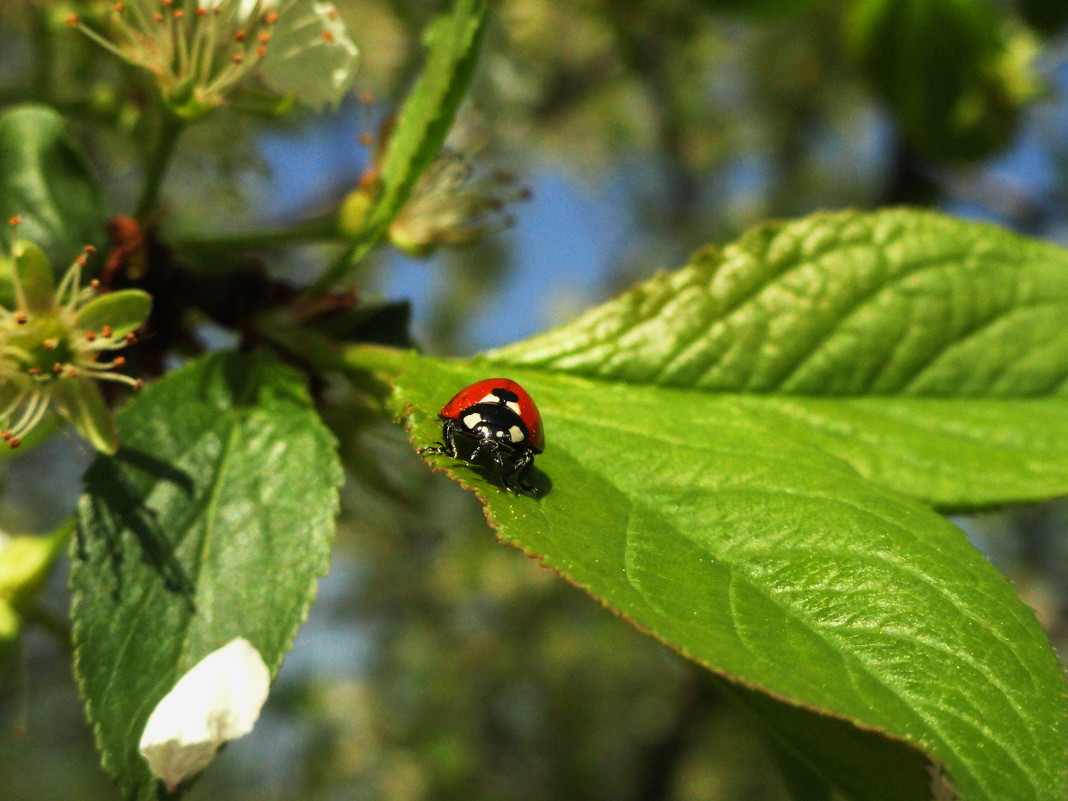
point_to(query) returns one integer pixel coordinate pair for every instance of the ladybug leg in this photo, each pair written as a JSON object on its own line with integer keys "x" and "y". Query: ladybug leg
{"x": 448, "y": 443}
{"x": 518, "y": 471}
{"x": 490, "y": 445}
{"x": 503, "y": 467}
{"x": 448, "y": 433}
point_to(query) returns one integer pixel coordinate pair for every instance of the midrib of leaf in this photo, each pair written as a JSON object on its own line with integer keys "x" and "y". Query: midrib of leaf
{"x": 215, "y": 491}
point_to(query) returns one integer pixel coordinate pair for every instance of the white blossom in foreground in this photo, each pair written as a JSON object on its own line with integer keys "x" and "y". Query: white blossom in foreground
{"x": 219, "y": 699}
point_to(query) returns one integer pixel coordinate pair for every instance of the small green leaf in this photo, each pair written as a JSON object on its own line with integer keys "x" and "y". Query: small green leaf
{"x": 35, "y": 284}
{"x": 311, "y": 55}
{"x": 212, "y": 522}
{"x": 423, "y": 122}
{"x": 125, "y": 311}
{"x": 46, "y": 179}
{"x": 928, "y": 352}
{"x": 80, "y": 401}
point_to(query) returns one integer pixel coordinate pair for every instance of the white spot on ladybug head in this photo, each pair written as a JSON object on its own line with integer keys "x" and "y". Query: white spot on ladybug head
{"x": 491, "y": 398}
{"x": 472, "y": 420}
{"x": 513, "y": 406}
{"x": 516, "y": 433}
{"x": 499, "y": 434}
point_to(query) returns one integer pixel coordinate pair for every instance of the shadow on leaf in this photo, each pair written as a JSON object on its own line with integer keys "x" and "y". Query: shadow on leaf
{"x": 118, "y": 501}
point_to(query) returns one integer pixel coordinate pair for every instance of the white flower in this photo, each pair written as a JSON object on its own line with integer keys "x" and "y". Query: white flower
{"x": 200, "y": 51}
{"x": 219, "y": 699}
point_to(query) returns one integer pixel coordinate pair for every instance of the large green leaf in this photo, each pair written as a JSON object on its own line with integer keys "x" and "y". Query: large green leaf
{"x": 930, "y": 353}
{"x": 212, "y": 522}
{"x": 730, "y": 454}
{"x": 776, "y": 565}
{"x": 422, "y": 124}
{"x": 46, "y": 179}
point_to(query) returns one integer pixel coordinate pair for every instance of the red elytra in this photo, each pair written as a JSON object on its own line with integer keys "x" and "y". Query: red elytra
{"x": 482, "y": 391}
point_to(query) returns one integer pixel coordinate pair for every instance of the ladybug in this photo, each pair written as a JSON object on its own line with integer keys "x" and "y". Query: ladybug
{"x": 502, "y": 419}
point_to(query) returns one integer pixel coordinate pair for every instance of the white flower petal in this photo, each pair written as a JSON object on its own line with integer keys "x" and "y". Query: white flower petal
{"x": 219, "y": 699}
{"x": 310, "y": 55}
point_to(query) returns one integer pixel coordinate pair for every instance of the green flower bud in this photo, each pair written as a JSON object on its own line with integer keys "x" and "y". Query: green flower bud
{"x": 51, "y": 348}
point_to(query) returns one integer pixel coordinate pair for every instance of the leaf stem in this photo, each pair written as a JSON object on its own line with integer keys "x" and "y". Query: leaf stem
{"x": 295, "y": 234}
{"x": 351, "y": 256}
{"x": 171, "y": 128}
